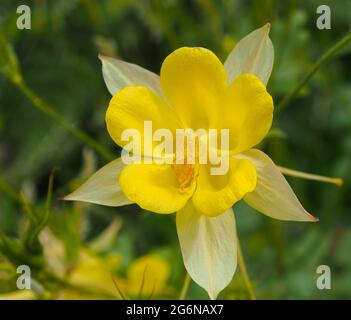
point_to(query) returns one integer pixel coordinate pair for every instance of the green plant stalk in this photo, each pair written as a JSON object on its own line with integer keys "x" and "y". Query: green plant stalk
{"x": 185, "y": 287}
{"x": 325, "y": 57}
{"x": 242, "y": 267}
{"x": 6, "y": 188}
{"x": 32, "y": 236}
{"x": 121, "y": 295}
{"x": 140, "y": 294}
{"x": 54, "y": 115}
{"x": 15, "y": 254}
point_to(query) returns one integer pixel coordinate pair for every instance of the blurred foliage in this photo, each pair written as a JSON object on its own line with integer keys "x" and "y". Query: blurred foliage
{"x": 76, "y": 250}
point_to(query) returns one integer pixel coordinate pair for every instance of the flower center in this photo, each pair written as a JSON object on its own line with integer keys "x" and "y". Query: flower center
{"x": 187, "y": 171}
{"x": 186, "y": 174}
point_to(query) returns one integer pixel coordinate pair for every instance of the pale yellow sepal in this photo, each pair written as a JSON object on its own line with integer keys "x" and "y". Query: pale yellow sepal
{"x": 102, "y": 187}
{"x": 119, "y": 74}
{"x": 253, "y": 54}
{"x": 208, "y": 247}
{"x": 273, "y": 196}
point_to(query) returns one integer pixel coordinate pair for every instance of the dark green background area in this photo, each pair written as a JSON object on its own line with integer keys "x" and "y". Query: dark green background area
{"x": 58, "y": 59}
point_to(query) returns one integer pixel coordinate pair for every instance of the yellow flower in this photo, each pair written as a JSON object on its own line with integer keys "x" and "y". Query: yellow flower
{"x": 147, "y": 276}
{"x": 195, "y": 95}
{"x": 19, "y": 295}
{"x": 89, "y": 270}
{"x": 195, "y": 90}
{"x": 93, "y": 272}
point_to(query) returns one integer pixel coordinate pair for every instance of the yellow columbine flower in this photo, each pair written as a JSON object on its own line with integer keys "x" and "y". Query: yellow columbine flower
{"x": 194, "y": 91}
{"x": 147, "y": 276}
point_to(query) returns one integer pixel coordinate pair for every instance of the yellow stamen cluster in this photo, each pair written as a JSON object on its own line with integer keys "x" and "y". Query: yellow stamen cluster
{"x": 187, "y": 172}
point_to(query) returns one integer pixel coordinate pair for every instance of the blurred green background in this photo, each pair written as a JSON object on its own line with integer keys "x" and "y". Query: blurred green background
{"x": 58, "y": 59}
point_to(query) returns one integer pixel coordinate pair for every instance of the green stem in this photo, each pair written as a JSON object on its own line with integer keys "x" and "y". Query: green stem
{"x": 54, "y": 115}
{"x": 244, "y": 272}
{"x": 185, "y": 287}
{"x": 10, "y": 191}
{"x": 325, "y": 57}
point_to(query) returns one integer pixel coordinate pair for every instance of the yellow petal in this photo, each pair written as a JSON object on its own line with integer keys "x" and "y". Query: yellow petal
{"x": 273, "y": 195}
{"x": 154, "y": 187}
{"x": 247, "y": 112}
{"x": 208, "y": 247}
{"x": 253, "y": 54}
{"x": 217, "y": 193}
{"x": 193, "y": 81}
{"x": 102, "y": 187}
{"x": 131, "y": 107}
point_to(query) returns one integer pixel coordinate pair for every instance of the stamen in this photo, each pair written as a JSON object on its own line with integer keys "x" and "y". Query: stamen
{"x": 187, "y": 172}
